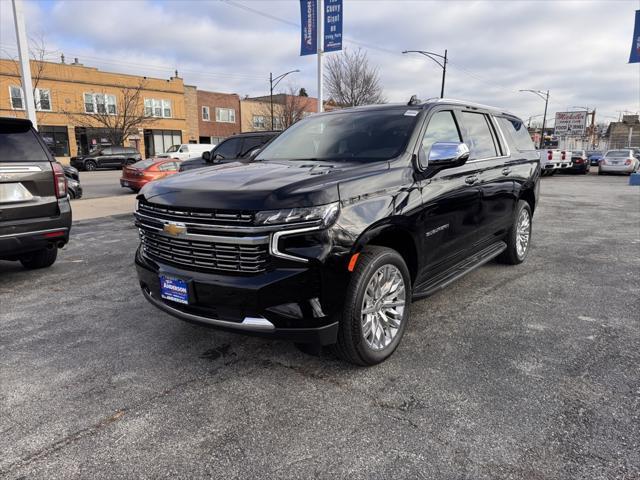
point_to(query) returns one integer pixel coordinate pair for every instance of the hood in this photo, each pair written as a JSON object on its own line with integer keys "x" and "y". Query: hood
{"x": 265, "y": 185}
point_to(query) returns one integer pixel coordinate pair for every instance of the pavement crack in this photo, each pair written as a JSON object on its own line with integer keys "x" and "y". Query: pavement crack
{"x": 63, "y": 442}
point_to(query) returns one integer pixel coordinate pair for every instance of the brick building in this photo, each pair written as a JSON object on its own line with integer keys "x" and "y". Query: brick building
{"x": 287, "y": 109}
{"x": 218, "y": 116}
{"x": 66, "y": 93}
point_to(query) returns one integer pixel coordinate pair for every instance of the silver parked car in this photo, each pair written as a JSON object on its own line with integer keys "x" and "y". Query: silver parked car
{"x": 624, "y": 160}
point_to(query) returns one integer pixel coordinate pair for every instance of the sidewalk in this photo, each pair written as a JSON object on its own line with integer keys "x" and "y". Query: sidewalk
{"x": 102, "y": 207}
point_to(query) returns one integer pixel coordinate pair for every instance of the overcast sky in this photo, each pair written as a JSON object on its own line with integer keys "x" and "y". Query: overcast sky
{"x": 577, "y": 49}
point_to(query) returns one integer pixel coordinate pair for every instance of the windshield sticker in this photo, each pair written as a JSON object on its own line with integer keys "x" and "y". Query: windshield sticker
{"x": 411, "y": 113}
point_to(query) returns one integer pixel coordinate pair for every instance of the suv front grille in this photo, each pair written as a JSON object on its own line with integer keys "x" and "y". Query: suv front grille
{"x": 201, "y": 216}
{"x": 204, "y": 255}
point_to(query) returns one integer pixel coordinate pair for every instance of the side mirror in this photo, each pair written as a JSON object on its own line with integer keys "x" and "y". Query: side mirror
{"x": 448, "y": 154}
{"x": 206, "y": 156}
{"x": 254, "y": 153}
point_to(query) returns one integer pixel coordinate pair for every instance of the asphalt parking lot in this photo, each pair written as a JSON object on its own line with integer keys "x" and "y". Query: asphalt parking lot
{"x": 527, "y": 372}
{"x": 102, "y": 183}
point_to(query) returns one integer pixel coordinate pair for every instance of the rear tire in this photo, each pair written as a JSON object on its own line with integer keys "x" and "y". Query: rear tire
{"x": 519, "y": 236}
{"x": 90, "y": 165}
{"x": 380, "y": 284}
{"x": 40, "y": 259}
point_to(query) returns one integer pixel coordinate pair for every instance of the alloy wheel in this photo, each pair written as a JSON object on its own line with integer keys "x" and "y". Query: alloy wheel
{"x": 523, "y": 233}
{"x": 383, "y": 307}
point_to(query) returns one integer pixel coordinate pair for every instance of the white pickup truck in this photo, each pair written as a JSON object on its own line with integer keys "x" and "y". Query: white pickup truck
{"x": 552, "y": 160}
{"x": 186, "y": 150}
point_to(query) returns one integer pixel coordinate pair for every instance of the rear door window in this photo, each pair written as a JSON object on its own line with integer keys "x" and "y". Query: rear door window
{"x": 479, "y": 137}
{"x": 20, "y": 144}
{"x": 517, "y": 132}
{"x": 250, "y": 144}
{"x": 228, "y": 148}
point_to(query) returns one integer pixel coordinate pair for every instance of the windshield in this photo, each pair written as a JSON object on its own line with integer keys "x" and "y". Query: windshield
{"x": 618, "y": 153}
{"x": 368, "y": 135}
{"x": 173, "y": 148}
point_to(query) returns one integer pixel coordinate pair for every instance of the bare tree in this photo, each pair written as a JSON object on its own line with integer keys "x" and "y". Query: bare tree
{"x": 288, "y": 108}
{"x": 38, "y": 54}
{"x": 123, "y": 121}
{"x": 351, "y": 81}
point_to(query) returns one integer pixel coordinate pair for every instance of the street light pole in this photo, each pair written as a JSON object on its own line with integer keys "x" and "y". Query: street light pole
{"x": 273, "y": 85}
{"x": 545, "y": 97}
{"x": 442, "y": 63}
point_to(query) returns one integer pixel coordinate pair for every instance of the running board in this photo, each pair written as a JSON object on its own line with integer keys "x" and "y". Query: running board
{"x": 460, "y": 269}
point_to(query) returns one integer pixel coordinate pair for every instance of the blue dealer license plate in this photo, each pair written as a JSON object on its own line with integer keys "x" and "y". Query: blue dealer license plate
{"x": 174, "y": 289}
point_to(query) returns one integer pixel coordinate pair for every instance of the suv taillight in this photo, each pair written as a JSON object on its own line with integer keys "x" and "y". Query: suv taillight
{"x": 59, "y": 180}
{"x": 564, "y": 155}
{"x": 549, "y": 155}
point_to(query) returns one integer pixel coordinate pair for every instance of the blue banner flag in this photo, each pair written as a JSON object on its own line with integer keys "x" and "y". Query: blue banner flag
{"x": 332, "y": 25}
{"x": 309, "y": 27}
{"x": 635, "y": 46}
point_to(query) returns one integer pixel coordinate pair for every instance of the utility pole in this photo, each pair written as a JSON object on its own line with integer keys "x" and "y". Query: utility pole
{"x": 545, "y": 97}
{"x": 442, "y": 63}
{"x": 320, "y": 23}
{"x": 25, "y": 68}
{"x": 273, "y": 83}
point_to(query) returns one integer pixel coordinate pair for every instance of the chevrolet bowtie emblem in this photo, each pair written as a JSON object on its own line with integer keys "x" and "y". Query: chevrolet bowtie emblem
{"x": 174, "y": 229}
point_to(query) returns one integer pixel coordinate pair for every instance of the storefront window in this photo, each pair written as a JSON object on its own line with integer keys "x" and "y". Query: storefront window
{"x": 57, "y": 139}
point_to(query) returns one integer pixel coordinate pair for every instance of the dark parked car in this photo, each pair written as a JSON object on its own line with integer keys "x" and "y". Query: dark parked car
{"x": 594, "y": 158}
{"x": 579, "y": 163}
{"x": 106, "y": 157}
{"x": 35, "y": 214}
{"x": 340, "y": 222}
{"x": 240, "y": 146}
{"x": 73, "y": 182}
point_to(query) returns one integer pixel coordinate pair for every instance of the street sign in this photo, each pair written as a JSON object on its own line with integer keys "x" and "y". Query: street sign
{"x": 308, "y": 27}
{"x": 570, "y": 123}
{"x": 332, "y": 25}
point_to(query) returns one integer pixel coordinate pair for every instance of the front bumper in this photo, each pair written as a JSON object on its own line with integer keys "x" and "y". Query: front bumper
{"x": 287, "y": 303}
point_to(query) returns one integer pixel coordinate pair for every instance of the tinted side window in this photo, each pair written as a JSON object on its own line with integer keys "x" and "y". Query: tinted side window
{"x": 250, "y": 144}
{"x": 442, "y": 128}
{"x": 517, "y": 133}
{"x": 228, "y": 148}
{"x": 106, "y": 151}
{"x": 478, "y": 136}
{"x": 19, "y": 145}
{"x": 130, "y": 150}
{"x": 117, "y": 150}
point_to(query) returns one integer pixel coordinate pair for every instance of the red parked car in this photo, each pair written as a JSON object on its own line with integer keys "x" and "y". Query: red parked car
{"x": 137, "y": 175}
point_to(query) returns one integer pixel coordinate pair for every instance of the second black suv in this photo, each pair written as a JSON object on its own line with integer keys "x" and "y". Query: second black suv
{"x": 106, "y": 157}
{"x": 35, "y": 213}
{"x": 328, "y": 235}
{"x": 239, "y": 146}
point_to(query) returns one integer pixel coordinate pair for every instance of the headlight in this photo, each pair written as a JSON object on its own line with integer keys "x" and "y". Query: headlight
{"x": 324, "y": 215}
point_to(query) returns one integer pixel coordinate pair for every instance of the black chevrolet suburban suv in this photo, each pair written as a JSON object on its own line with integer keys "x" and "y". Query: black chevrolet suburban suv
{"x": 106, "y": 157}
{"x": 328, "y": 235}
{"x": 238, "y": 147}
{"x": 35, "y": 213}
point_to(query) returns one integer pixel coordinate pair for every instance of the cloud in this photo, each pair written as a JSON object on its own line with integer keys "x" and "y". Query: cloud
{"x": 577, "y": 50}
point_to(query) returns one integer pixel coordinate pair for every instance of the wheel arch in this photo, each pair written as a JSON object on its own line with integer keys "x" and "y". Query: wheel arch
{"x": 395, "y": 237}
{"x": 529, "y": 196}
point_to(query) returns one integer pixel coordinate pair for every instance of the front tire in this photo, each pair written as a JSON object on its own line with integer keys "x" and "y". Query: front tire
{"x": 90, "y": 165}
{"x": 519, "y": 236}
{"x": 40, "y": 259}
{"x": 376, "y": 310}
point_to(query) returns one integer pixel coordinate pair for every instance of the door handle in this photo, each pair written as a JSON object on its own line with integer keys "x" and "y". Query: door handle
{"x": 506, "y": 171}
{"x": 471, "y": 180}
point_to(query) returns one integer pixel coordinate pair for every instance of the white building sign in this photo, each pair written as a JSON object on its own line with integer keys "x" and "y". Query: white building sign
{"x": 570, "y": 123}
